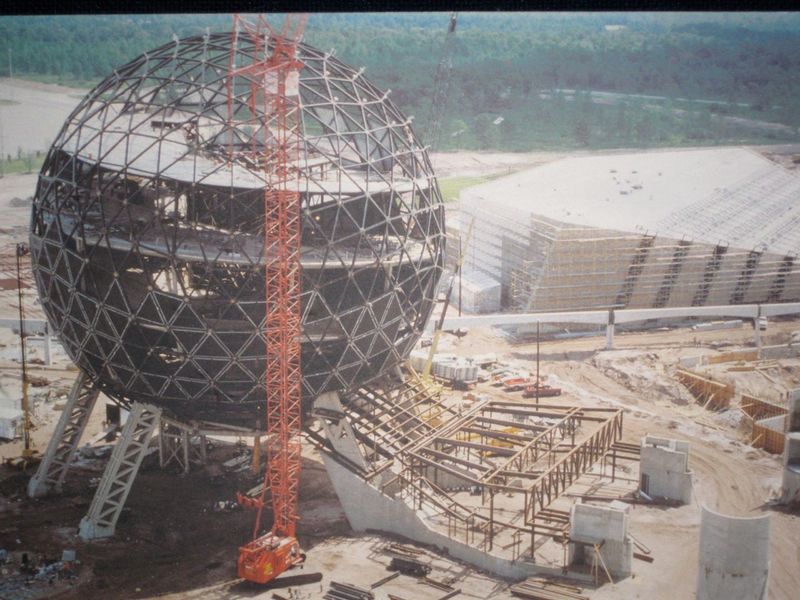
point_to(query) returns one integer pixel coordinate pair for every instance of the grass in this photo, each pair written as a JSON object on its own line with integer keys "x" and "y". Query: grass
{"x": 65, "y": 80}
{"x": 452, "y": 186}
{"x": 22, "y": 165}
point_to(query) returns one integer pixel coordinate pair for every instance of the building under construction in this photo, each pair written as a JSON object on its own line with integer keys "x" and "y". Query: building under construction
{"x": 156, "y": 251}
{"x": 147, "y": 232}
{"x": 648, "y": 230}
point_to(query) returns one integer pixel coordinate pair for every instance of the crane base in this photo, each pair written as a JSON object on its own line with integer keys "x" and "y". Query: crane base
{"x": 265, "y": 558}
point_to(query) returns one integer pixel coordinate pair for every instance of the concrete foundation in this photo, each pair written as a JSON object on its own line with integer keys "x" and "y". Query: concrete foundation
{"x": 734, "y": 557}
{"x": 791, "y": 451}
{"x": 664, "y": 469}
{"x": 606, "y": 525}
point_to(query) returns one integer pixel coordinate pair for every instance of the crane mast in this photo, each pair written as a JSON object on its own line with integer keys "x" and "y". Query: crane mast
{"x": 271, "y": 106}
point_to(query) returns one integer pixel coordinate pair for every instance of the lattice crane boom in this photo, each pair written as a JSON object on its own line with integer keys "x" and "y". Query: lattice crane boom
{"x": 272, "y": 81}
{"x": 441, "y": 86}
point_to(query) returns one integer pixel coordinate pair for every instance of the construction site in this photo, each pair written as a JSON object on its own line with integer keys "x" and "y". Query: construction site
{"x": 247, "y": 350}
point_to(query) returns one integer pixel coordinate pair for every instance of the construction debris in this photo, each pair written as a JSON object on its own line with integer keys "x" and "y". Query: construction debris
{"x": 537, "y": 588}
{"x": 409, "y": 566}
{"x": 386, "y": 579}
{"x": 346, "y": 591}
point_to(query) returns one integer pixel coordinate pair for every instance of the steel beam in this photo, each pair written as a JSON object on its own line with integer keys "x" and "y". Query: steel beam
{"x": 180, "y": 444}
{"x": 120, "y": 473}
{"x": 64, "y": 442}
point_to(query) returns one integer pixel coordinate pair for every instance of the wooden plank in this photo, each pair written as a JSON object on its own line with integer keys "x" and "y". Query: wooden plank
{"x": 386, "y": 579}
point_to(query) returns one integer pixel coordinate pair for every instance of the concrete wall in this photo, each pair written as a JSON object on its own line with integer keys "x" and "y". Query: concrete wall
{"x": 367, "y": 508}
{"x": 596, "y": 524}
{"x": 791, "y": 467}
{"x": 791, "y": 452}
{"x": 664, "y": 469}
{"x": 734, "y": 557}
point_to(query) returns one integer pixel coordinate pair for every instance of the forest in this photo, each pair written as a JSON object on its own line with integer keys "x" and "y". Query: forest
{"x": 519, "y": 81}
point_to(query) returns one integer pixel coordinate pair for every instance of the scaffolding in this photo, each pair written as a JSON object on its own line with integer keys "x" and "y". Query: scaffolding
{"x": 737, "y": 245}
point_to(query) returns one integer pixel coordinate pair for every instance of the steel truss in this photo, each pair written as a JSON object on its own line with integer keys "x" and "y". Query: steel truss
{"x": 181, "y": 445}
{"x": 120, "y": 473}
{"x": 64, "y": 442}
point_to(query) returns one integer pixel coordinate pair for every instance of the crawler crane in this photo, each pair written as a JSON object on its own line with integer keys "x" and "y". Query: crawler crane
{"x": 271, "y": 106}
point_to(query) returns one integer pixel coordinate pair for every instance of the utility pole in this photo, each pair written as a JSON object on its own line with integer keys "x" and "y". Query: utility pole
{"x": 27, "y": 449}
{"x": 537, "y": 363}
{"x": 459, "y": 277}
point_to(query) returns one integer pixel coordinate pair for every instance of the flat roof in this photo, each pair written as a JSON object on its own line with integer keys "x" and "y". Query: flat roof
{"x": 732, "y": 195}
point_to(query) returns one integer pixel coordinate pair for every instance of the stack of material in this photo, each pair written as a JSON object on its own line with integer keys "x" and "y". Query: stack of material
{"x": 479, "y": 292}
{"x": 457, "y": 370}
{"x": 445, "y": 366}
{"x": 345, "y": 591}
{"x": 542, "y": 589}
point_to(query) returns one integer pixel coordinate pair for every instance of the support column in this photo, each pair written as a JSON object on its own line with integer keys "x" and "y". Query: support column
{"x": 791, "y": 451}
{"x": 610, "y": 331}
{"x": 48, "y": 349}
{"x": 120, "y": 473}
{"x": 733, "y": 557}
{"x": 64, "y": 443}
{"x": 180, "y": 444}
{"x": 338, "y": 431}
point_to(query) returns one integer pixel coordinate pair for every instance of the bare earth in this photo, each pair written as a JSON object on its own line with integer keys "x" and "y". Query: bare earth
{"x": 31, "y": 114}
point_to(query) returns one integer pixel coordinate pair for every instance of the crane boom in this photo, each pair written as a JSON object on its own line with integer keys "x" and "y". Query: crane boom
{"x": 441, "y": 86}
{"x": 273, "y": 78}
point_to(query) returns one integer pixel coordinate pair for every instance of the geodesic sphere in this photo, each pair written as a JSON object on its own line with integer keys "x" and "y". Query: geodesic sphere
{"x": 147, "y": 231}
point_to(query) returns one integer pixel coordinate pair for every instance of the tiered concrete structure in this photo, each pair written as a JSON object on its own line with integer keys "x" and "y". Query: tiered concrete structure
{"x": 647, "y": 230}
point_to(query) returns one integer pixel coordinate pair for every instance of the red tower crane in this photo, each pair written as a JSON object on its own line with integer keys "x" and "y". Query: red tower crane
{"x": 269, "y": 107}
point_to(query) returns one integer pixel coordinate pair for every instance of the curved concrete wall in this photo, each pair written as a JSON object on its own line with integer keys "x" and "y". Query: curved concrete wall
{"x": 734, "y": 557}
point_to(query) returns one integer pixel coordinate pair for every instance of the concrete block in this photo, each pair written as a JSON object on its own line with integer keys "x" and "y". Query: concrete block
{"x": 596, "y": 524}
{"x": 664, "y": 469}
{"x": 791, "y": 468}
{"x": 734, "y": 557}
{"x": 793, "y": 420}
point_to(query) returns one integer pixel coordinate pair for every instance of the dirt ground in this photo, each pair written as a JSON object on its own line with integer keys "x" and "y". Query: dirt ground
{"x": 31, "y": 113}
{"x": 730, "y": 476}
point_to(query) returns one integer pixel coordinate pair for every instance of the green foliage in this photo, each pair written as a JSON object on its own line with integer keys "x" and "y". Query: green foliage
{"x": 664, "y": 79}
{"x": 28, "y": 163}
{"x": 451, "y": 186}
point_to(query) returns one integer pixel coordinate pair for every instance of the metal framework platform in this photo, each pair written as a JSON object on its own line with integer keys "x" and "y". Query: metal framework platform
{"x": 487, "y": 474}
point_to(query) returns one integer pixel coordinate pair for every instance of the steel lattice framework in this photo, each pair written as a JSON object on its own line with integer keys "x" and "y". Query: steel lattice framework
{"x": 147, "y": 233}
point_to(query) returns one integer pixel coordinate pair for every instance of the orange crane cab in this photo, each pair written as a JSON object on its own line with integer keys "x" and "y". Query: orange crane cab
{"x": 263, "y": 559}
